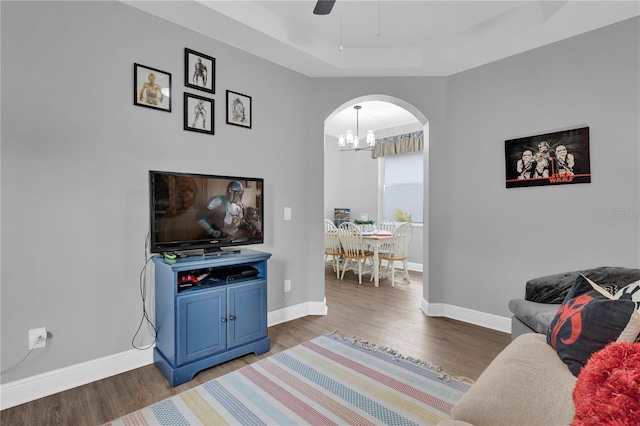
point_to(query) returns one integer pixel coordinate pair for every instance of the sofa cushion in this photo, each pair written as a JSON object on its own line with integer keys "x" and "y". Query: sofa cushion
{"x": 526, "y": 384}
{"x": 554, "y": 288}
{"x": 518, "y": 328}
{"x": 589, "y": 319}
{"x": 537, "y": 316}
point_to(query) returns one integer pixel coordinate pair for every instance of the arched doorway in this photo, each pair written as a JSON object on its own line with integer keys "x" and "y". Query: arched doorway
{"x": 359, "y": 192}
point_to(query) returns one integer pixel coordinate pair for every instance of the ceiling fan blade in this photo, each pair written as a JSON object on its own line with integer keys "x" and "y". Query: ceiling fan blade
{"x": 323, "y": 7}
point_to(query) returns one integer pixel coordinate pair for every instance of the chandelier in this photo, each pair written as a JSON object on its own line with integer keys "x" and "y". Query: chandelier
{"x": 350, "y": 142}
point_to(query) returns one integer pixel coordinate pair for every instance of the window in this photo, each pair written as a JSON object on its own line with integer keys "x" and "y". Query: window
{"x": 403, "y": 188}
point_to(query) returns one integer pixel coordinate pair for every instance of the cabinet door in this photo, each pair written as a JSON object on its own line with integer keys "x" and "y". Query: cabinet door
{"x": 247, "y": 309}
{"x": 202, "y": 322}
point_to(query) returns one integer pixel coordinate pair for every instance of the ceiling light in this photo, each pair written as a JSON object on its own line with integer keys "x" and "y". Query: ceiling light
{"x": 350, "y": 142}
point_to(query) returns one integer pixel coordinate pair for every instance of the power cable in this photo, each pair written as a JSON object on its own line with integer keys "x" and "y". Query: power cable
{"x": 38, "y": 340}
{"x": 143, "y": 295}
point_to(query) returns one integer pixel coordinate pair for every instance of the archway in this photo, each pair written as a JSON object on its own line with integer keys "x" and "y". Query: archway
{"x": 335, "y": 161}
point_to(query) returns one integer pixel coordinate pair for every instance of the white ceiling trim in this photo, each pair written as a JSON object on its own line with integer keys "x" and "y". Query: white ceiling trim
{"x": 418, "y": 37}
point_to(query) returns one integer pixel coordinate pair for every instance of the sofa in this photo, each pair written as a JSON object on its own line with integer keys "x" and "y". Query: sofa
{"x": 528, "y": 383}
{"x": 543, "y": 296}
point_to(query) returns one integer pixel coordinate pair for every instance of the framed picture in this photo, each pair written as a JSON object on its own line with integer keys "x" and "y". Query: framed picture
{"x": 151, "y": 88}
{"x": 548, "y": 159}
{"x": 198, "y": 114}
{"x": 238, "y": 109}
{"x": 199, "y": 71}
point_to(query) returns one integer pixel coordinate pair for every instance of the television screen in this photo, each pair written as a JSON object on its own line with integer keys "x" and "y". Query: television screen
{"x": 195, "y": 211}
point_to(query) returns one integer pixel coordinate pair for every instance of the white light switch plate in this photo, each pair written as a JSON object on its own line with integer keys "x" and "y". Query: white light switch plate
{"x": 287, "y": 213}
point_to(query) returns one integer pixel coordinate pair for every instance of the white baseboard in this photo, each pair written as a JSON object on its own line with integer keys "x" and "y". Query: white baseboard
{"x": 417, "y": 267}
{"x": 482, "y": 319}
{"x": 298, "y": 311}
{"x": 35, "y": 387}
{"x": 414, "y": 266}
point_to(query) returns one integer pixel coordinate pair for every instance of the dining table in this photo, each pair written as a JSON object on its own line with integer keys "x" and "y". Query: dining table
{"x": 375, "y": 240}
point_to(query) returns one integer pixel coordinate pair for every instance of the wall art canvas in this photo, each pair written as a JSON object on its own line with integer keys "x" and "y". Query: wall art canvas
{"x": 151, "y": 88}
{"x": 199, "y": 71}
{"x": 198, "y": 113}
{"x": 341, "y": 215}
{"x": 238, "y": 109}
{"x": 549, "y": 159}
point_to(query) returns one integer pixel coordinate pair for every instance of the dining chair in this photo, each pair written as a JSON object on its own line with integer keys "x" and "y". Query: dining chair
{"x": 332, "y": 247}
{"x": 397, "y": 249}
{"x": 354, "y": 248}
{"x": 387, "y": 226}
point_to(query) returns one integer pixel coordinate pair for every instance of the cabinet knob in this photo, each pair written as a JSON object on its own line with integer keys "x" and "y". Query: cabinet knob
{"x": 223, "y": 320}
{"x": 232, "y": 317}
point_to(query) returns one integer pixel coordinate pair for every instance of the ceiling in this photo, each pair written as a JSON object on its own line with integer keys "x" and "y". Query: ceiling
{"x": 388, "y": 37}
{"x": 416, "y": 37}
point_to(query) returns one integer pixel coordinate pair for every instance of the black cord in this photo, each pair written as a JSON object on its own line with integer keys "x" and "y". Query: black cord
{"x": 143, "y": 294}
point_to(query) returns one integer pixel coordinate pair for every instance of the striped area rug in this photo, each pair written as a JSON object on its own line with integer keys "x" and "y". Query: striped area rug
{"x": 330, "y": 380}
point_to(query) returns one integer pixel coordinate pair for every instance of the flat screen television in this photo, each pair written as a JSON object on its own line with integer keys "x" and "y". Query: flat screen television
{"x": 197, "y": 212}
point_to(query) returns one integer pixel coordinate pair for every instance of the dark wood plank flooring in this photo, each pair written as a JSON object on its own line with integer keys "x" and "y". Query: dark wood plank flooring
{"x": 384, "y": 315}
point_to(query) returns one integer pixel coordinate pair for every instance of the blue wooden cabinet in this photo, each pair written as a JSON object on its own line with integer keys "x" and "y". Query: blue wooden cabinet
{"x": 209, "y": 310}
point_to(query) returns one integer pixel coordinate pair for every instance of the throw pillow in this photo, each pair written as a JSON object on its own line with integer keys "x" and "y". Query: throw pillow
{"x": 630, "y": 292}
{"x": 607, "y": 391}
{"x": 588, "y": 319}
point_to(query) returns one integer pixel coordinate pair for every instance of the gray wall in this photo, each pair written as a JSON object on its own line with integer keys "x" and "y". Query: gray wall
{"x": 485, "y": 241}
{"x": 75, "y": 158}
{"x": 76, "y": 151}
{"x": 505, "y": 236}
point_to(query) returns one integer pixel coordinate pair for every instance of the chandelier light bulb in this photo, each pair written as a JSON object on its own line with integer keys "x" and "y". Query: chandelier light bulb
{"x": 349, "y": 134}
{"x": 371, "y": 138}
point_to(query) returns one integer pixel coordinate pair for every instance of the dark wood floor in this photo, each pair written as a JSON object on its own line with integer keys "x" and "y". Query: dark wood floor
{"x": 384, "y": 315}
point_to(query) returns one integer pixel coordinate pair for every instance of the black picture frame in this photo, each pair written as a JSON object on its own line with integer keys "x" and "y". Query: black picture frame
{"x": 239, "y": 109}
{"x": 556, "y": 158}
{"x": 199, "y": 114}
{"x": 151, "y": 88}
{"x": 199, "y": 71}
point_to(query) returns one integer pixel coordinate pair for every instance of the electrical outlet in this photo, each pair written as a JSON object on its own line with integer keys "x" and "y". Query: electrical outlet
{"x": 287, "y": 286}
{"x": 37, "y": 338}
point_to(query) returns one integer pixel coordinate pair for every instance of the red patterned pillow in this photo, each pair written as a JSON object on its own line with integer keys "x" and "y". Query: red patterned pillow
{"x": 588, "y": 320}
{"x": 607, "y": 391}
